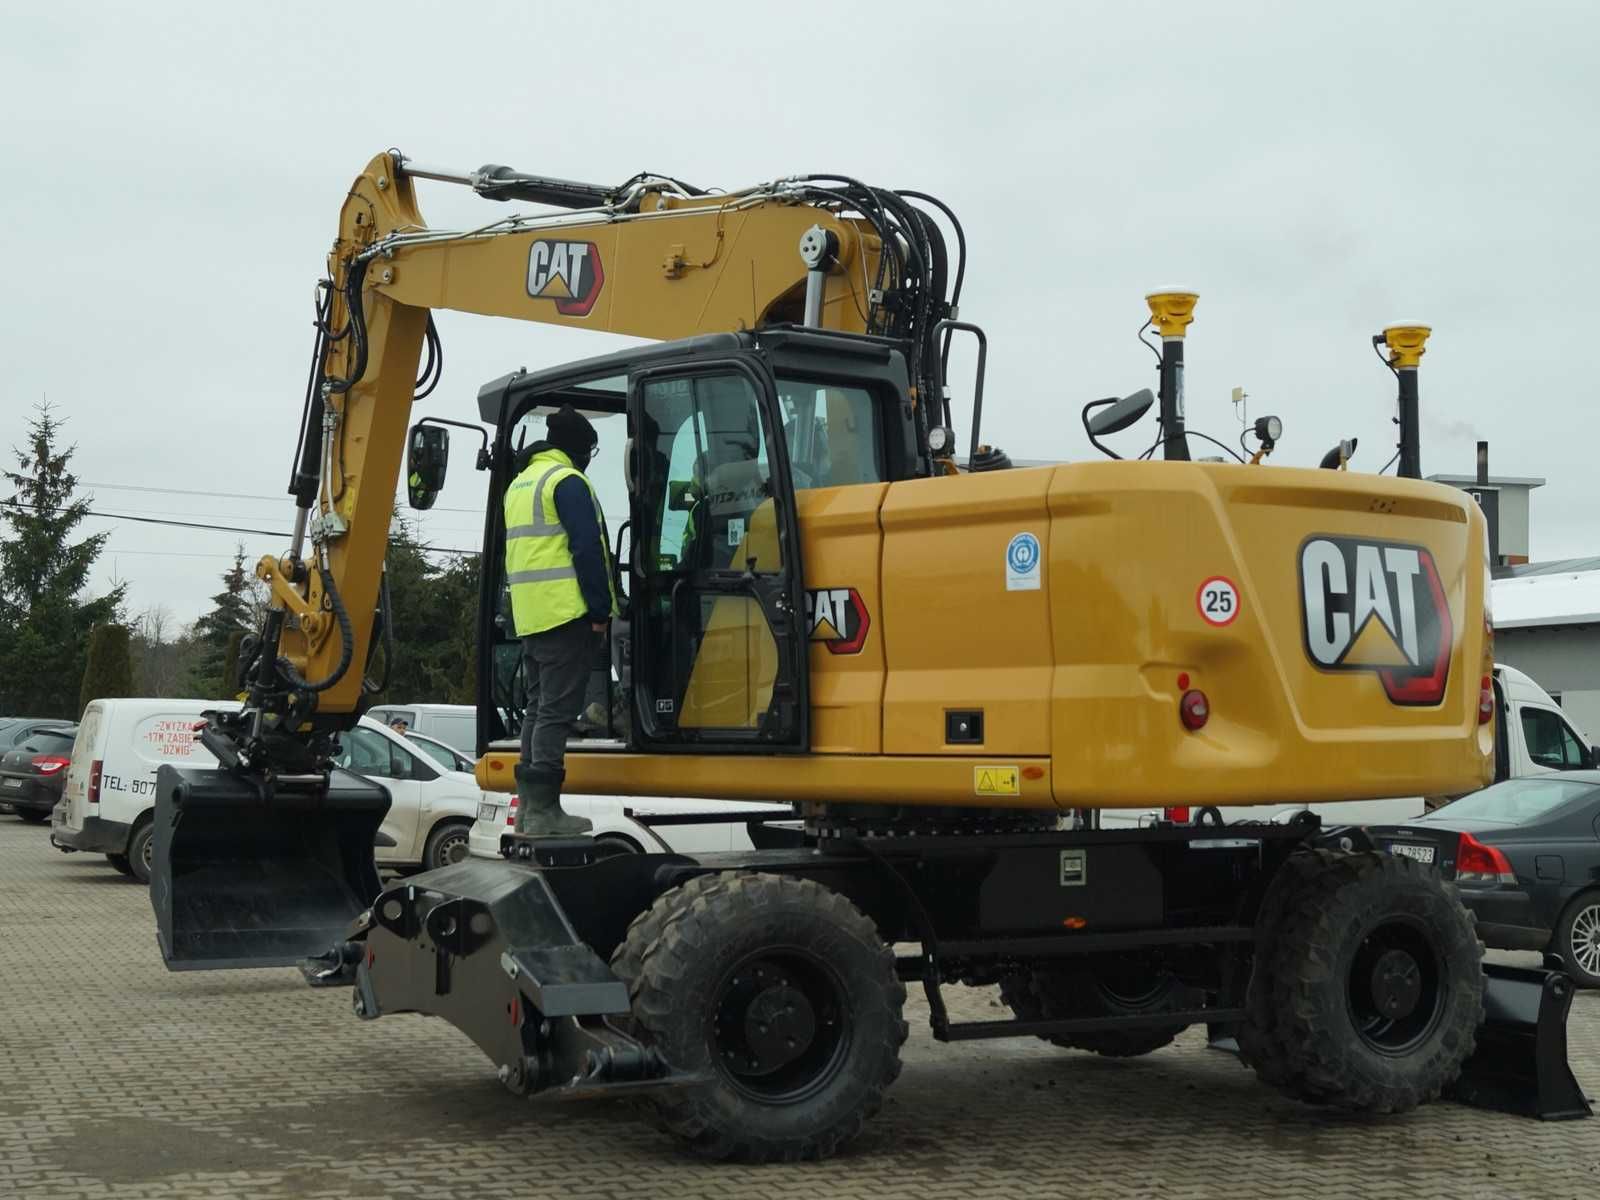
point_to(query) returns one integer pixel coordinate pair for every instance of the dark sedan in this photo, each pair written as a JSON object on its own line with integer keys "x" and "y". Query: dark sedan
{"x": 1525, "y": 857}
{"x": 33, "y": 773}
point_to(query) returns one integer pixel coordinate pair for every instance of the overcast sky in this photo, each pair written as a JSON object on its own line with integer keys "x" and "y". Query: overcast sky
{"x": 172, "y": 176}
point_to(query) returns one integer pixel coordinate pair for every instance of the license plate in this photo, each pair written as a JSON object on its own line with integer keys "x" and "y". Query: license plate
{"x": 13, "y": 783}
{"x": 1423, "y": 854}
{"x": 488, "y": 812}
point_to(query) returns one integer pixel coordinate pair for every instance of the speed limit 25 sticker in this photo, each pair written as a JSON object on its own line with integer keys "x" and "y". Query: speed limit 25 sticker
{"x": 1218, "y": 601}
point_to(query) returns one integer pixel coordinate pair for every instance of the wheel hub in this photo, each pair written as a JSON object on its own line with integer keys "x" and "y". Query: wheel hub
{"x": 1396, "y": 984}
{"x": 779, "y": 1025}
{"x": 1586, "y": 939}
{"x": 778, "y": 1030}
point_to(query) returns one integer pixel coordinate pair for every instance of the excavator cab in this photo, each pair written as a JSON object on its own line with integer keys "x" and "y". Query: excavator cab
{"x": 722, "y": 436}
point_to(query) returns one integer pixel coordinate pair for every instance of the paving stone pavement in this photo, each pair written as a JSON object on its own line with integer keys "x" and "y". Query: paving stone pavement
{"x": 118, "y": 1079}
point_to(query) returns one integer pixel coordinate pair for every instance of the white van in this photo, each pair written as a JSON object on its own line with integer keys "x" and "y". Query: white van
{"x": 453, "y": 724}
{"x": 108, "y": 799}
{"x": 1533, "y": 737}
{"x": 614, "y": 828}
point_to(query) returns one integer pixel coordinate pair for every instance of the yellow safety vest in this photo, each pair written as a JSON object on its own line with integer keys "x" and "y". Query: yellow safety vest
{"x": 539, "y": 566}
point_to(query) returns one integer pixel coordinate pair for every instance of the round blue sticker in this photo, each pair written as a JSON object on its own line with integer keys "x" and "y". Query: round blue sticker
{"x": 1023, "y": 553}
{"x": 1022, "y": 563}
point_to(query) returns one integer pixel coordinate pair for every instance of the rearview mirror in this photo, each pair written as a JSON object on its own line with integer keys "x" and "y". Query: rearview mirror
{"x": 680, "y": 495}
{"x": 1337, "y": 458}
{"x": 1120, "y": 415}
{"x": 427, "y": 458}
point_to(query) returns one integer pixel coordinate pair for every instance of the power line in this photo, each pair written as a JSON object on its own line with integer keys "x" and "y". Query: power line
{"x": 216, "y": 528}
{"x": 133, "y": 487}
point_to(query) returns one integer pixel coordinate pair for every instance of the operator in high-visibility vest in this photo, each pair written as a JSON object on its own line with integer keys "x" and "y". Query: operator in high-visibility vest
{"x": 563, "y": 596}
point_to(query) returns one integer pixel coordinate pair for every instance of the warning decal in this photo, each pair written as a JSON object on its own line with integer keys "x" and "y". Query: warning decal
{"x": 996, "y": 781}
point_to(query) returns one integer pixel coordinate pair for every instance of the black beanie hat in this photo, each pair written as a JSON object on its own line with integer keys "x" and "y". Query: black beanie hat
{"x": 568, "y": 430}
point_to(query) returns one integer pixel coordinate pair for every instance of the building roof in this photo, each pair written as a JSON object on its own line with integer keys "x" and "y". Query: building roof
{"x": 1555, "y": 597}
{"x": 1494, "y": 481}
{"x": 1559, "y": 566}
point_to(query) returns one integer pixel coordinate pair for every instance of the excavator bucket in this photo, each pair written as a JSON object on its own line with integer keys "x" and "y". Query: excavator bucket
{"x": 252, "y": 875}
{"x": 1520, "y": 1065}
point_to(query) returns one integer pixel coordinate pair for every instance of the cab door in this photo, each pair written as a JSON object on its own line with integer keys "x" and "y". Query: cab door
{"x": 715, "y": 601}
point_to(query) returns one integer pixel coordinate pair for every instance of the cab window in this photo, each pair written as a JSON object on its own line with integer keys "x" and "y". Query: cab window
{"x": 1551, "y": 743}
{"x": 707, "y": 465}
{"x": 831, "y": 434}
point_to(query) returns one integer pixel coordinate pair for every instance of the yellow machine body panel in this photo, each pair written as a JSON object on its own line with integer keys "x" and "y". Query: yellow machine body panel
{"x": 1333, "y": 621}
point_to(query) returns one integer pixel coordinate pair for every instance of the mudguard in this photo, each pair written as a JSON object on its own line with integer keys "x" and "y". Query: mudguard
{"x": 246, "y": 874}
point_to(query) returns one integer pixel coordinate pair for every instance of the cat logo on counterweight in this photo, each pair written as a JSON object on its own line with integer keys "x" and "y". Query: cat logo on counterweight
{"x": 1378, "y": 607}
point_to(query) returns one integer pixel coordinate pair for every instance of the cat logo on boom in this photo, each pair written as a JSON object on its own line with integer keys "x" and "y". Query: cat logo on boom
{"x": 837, "y": 617}
{"x": 567, "y": 272}
{"x": 1377, "y": 607}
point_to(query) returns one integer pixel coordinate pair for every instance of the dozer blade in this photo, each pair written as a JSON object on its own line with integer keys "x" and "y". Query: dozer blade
{"x": 1520, "y": 1065}
{"x": 249, "y": 875}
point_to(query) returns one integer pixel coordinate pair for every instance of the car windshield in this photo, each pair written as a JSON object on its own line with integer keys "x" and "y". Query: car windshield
{"x": 1518, "y": 801}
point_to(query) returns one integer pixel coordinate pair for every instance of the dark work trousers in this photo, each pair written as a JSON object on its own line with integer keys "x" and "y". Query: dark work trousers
{"x": 555, "y": 666}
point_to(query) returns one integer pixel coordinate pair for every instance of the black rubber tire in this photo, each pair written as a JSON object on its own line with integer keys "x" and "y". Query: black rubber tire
{"x": 1350, "y": 906}
{"x": 678, "y": 960}
{"x": 1586, "y": 905}
{"x": 443, "y": 840}
{"x": 627, "y": 960}
{"x": 140, "y": 848}
{"x": 1062, "y": 993}
{"x": 32, "y": 815}
{"x": 1260, "y": 1045}
{"x": 121, "y": 863}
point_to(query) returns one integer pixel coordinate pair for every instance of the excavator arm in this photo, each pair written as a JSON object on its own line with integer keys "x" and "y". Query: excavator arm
{"x": 653, "y": 258}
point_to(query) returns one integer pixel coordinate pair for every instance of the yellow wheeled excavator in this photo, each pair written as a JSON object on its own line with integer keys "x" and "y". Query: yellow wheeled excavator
{"x": 940, "y": 674}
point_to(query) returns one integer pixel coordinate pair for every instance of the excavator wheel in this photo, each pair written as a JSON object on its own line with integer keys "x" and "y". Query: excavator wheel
{"x": 1122, "y": 985}
{"x": 784, "y": 994}
{"x": 1258, "y": 1035}
{"x": 1374, "y": 987}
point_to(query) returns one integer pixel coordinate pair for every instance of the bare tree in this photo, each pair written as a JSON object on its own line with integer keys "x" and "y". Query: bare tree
{"x": 158, "y": 648}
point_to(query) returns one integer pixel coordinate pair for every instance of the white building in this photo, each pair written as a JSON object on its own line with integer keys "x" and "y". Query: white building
{"x": 1547, "y": 623}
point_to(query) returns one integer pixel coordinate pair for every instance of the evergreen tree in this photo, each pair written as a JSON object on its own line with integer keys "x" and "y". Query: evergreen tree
{"x": 228, "y": 620}
{"x": 110, "y": 667}
{"x": 45, "y": 619}
{"x": 434, "y": 614}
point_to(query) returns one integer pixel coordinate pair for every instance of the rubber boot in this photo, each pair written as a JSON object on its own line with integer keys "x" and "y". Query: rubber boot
{"x": 539, "y": 811}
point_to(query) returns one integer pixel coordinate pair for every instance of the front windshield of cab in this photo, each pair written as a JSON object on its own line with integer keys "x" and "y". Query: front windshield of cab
{"x": 1519, "y": 801}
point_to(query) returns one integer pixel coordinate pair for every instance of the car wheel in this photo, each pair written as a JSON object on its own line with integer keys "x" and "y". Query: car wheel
{"x": 1578, "y": 939}
{"x": 120, "y": 862}
{"x": 447, "y": 845}
{"x": 32, "y": 817}
{"x": 141, "y": 851}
